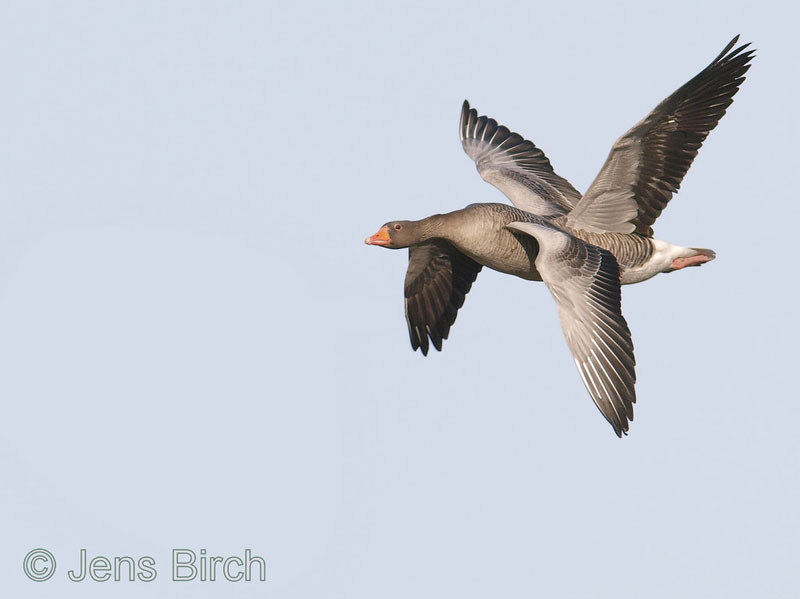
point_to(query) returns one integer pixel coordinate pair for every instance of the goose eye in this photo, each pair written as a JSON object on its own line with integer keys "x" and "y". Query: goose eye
{"x": 398, "y": 226}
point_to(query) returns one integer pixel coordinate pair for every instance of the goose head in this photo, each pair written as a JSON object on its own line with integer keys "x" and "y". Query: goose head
{"x": 396, "y": 234}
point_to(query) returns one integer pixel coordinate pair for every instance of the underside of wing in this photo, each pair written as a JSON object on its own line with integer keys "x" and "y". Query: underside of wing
{"x": 647, "y": 165}
{"x": 584, "y": 281}
{"x": 437, "y": 281}
{"x": 515, "y": 166}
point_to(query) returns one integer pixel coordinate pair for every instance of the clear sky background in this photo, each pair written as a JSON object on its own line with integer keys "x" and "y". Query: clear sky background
{"x": 198, "y": 350}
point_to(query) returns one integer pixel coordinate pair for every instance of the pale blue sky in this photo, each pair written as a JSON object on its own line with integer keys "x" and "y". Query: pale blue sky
{"x": 197, "y": 349}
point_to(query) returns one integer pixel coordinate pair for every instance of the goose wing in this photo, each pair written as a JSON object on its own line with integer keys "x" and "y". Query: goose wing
{"x": 584, "y": 280}
{"x": 515, "y": 166}
{"x": 437, "y": 281}
{"x": 647, "y": 164}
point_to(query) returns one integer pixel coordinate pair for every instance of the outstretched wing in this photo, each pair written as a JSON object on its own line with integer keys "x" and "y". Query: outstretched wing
{"x": 437, "y": 281}
{"x": 647, "y": 164}
{"x": 584, "y": 280}
{"x": 515, "y": 166}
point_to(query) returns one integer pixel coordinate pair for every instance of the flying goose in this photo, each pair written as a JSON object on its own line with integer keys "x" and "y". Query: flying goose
{"x": 582, "y": 247}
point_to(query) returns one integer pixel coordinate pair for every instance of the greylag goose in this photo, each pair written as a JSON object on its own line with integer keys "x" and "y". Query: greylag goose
{"x": 583, "y": 247}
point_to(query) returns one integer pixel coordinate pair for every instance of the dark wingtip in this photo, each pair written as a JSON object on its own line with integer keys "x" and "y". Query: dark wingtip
{"x": 462, "y": 121}
{"x": 437, "y": 343}
{"x": 621, "y": 429}
{"x": 728, "y": 47}
{"x": 424, "y": 345}
{"x": 727, "y": 54}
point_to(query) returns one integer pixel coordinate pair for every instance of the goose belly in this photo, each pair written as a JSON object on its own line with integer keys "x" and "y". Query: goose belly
{"x": 505, "y": 252}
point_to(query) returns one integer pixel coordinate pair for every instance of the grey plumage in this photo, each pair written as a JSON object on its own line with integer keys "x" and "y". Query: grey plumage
{"x": 437, "y": 280}
{"x": 584, "y": 281}
{"x": 515, "y": 166}
{"x": 647, "y": 164}
{"x": 583, "y": 248}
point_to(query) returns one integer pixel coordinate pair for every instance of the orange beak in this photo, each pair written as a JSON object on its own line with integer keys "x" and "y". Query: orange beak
{"x": 380, "y": 238}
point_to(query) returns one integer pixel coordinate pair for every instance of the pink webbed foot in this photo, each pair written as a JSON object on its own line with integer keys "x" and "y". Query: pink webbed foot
{"x": 679, "y": 263}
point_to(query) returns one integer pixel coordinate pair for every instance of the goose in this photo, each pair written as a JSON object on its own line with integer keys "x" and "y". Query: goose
{"x": 582, "y": 247}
